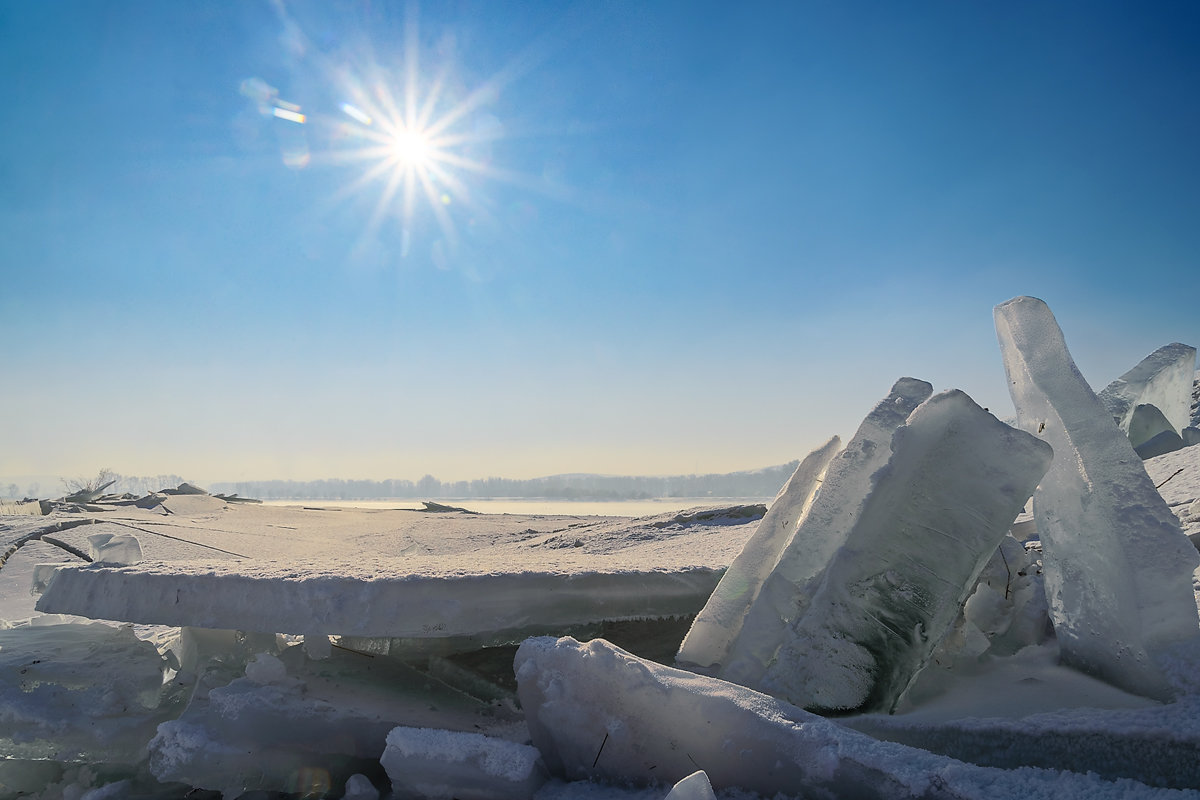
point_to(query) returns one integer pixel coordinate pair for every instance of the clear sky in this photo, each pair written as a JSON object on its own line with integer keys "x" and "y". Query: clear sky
{"x": 650, "y": 238}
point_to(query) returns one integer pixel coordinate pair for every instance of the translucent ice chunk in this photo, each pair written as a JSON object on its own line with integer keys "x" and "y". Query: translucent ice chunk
{"x": 788, "y": 589}
{"x": 1118, "y": 569}
{"x": 720, "y": 620}
{"x": 694, "y": 787}
{"x": 78, "y": 692}
{"x": 1145, "y": 422}
{"x": 1163, "y": 379}
{"x": 118, "y": 549}
{"x": 432, "y": 763}
{"x": 956, "y": 480}
{"x": 359, "y": 787}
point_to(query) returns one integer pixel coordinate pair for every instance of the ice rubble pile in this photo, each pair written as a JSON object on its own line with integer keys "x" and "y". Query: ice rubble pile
{"x": 879, "y": 565}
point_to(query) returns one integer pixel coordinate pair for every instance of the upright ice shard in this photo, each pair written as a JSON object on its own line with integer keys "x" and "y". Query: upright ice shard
{"x": 1162, "y": 379}
{"x": 789, "y": 586}
{"x": 715, "y": 627}
{"x": 934, "y": 516}
{"x": 1118, "y": 568}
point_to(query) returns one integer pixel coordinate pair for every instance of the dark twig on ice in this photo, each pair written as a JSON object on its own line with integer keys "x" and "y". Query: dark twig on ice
{"x": 601, "y": 750}
{"x": 1173, "y": 474}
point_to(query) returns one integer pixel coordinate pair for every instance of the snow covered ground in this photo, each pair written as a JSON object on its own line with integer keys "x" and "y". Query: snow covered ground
{"x": 217, "y": 647}
{"x": 1027, "y": 703}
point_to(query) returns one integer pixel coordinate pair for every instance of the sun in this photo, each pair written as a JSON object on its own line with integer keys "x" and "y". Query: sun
{"x": 411, "y": 149}
{"x": 419, "y": 138}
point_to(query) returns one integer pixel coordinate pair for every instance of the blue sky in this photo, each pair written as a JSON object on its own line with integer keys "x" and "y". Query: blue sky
{"x": 676, "y": 237}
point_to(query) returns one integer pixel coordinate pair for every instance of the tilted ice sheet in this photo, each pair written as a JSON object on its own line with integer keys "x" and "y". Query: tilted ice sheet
{"x": 933, "y": 518}
{"x": 788, "y": 589}
{"x": 1162, "y": 379}
{"x": 1118, "y": 569}
{"x": 597, "y": 712}
{"x": 720, "y": 621}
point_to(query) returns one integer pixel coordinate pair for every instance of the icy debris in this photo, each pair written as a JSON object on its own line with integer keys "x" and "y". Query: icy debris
{"x": 788, "y": 589}
{"x": 78, "y": 692}
{"x": 318, "y": 723}
{"x": 597, "y": 712}
{"x": 265, "y": 669}
{"x": 115, "y": 549}
{"x": 359, "y": 787}
{"x": 719, "y": 622}
{"x": 435, "y": 764}
{"x": 694, "y": 787}
{"x": 934, "y": 516}
{"x": 1162, "y": 379}
{"x": 1118, "y": 570}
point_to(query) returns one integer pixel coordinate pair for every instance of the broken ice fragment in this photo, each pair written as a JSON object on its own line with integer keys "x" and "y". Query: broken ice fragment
{"x": 788, "y": 589}
{"x": 1163, "y": 379}
{"x": 431, "y": 763}
{"x": 117, "y": 549}
{"x": 694, "y": 787}
{"x": 1118, "y": 569}
{"x": 78, "y": 692}
{"x": 934, "y": 516}
{"x": 359, "y": 787}
{"x": 711, "y": 634}
{"x": 1146, "y": 422}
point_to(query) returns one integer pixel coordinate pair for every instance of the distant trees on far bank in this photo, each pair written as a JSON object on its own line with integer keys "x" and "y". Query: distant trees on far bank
{"x": 755, "y": 483}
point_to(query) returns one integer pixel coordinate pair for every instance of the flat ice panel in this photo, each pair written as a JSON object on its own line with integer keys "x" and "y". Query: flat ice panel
{"x": 1118, "y": 569}
{"x": 720, "y": 621}
{"x": 1163, "y": 379}
{"x": 370, "y": 598}
{"x": 934, "y": 517}
{"x": 788, "y": 589}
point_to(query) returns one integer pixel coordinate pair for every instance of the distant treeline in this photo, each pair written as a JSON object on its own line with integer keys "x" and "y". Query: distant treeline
{"x": 757, "y": 483}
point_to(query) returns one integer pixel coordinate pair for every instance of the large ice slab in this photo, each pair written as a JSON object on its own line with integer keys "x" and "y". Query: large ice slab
{"x": 597, "y": 712}
{"x": 372, "y": 598}
{"x": 720, "y": 621}
{"x": 493, "y": 589}
{"x": 1118, "y": 569}
{"x": 1162, "y": 379}
{"x": 789, "y": 587}
{"x": 933, "y": 518}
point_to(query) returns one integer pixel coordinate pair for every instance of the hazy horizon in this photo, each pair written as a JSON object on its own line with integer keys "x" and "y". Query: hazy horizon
{"x": 312, "y": 239}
